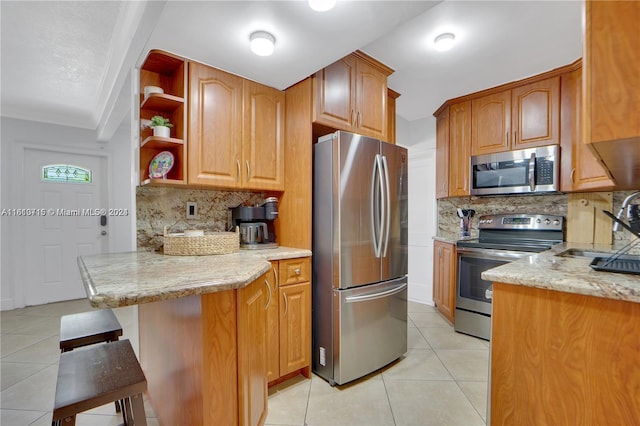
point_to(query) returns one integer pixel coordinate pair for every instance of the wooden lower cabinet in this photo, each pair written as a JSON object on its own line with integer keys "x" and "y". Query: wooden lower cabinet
{"x": 444, "y": 278}
{"x": 204, "y": 357}
{"x": 289, "y": 319}
{"x": 563, "y": 359}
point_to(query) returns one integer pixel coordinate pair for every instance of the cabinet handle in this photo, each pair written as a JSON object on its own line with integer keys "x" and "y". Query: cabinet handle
{"x": 353, "y": 118}
{"x": 573, "y": 172}
{"x": 238, "y": 166}
{"x": 277, "y": 279}
{"x": 358, "y": 120}
{"x": 515, "y": 137}
{"x": 297, "y": 271}
{"x": 507, "y": 134}
{"x": 269, "y": 292}
{"x": 248, "y": 169}
{"x": 286, "y": 304}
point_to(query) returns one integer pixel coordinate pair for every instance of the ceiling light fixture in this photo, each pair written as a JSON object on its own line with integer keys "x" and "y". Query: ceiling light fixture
{"x": 444, "y": 41}
{"x": 322, "y": 5}
{"x": 262, "y": 43}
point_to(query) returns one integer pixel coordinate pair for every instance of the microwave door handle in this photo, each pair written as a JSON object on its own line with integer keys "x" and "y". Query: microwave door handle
{"x": 532, "y": 172}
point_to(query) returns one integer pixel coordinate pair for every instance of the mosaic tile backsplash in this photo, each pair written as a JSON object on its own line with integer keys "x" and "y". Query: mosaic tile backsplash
{"x": 158, "y": 207}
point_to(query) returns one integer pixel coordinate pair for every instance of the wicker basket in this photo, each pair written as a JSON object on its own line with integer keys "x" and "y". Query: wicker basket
{"x": 209, "y": 243}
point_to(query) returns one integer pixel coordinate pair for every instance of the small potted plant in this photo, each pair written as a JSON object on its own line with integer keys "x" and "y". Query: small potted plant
{"x": 161, "y": 126}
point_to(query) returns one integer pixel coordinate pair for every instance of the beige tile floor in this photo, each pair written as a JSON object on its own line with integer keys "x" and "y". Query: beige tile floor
{"x": 442, "y": 380}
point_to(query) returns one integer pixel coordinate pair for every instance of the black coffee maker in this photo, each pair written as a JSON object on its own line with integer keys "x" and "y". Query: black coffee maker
{"x": 256, "y": 224}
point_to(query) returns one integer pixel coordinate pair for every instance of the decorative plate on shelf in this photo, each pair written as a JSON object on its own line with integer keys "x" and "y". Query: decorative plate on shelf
{"x": 161, "y": 165}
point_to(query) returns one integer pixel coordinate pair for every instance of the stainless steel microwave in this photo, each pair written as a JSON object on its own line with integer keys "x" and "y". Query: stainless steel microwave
{"x": 525, "y": 171}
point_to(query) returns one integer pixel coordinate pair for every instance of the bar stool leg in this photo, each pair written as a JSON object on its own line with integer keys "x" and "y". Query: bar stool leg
{"x": 139, "y": 416}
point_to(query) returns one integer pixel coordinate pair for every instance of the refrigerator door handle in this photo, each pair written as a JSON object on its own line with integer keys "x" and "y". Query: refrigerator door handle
{"x": 376, "y": 228}
{"x": 387, "y": 207}
{"x": 377, "y": 295}
{"x": 383, "y": 202}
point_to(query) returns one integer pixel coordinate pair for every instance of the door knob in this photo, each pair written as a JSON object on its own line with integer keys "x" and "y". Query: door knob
{"x": 103, "y": 233}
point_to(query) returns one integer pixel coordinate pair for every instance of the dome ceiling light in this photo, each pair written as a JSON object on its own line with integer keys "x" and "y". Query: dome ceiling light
{"x": 444, "y": 41}
{"x": 322, "y": 5}
{"x": 262, "y": 43}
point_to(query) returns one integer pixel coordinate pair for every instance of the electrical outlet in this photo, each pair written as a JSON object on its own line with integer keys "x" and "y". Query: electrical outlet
{"x": 192, "y": 210}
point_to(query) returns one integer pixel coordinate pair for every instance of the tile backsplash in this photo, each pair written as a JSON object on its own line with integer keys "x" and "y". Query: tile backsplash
{"x": 556, "y": 204}
{"x": 449, "y": 222}
{"x": 157, "y": 207}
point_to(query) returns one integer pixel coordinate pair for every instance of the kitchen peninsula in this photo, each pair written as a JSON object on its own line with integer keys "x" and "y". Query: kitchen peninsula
{"x": 565, "y": 341}
{"x": 202, "y": 325}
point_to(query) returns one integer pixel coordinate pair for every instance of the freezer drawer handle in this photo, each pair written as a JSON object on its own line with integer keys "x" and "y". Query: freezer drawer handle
{"x": 374, "y": 296}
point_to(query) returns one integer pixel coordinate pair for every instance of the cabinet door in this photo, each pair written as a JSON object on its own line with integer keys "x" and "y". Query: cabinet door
{"x": 536, "y": 114}
{"x": 490, "y": 123}
{"x": 333, "y": 88}
{"x": 459, "y": 148}
{"x": 444, "y": 278}
{"x": 215, "y": 126}
{"x": 295, "y": 327}
{"x": 612, "y": 70}
{"x": 273, "y": 325}
{"x": 263, "y": 138}
{"x": 252, "y": 350}
{"x": 371, "y": 101}
{"x": 442, "y": 154}
{"x": 581, "y": 171}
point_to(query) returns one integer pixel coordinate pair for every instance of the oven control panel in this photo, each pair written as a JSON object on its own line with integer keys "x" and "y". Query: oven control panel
{"x": 521, "y": 221}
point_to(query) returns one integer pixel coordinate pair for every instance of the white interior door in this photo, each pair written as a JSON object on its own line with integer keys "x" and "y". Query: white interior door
{"x": 66, "y": 224}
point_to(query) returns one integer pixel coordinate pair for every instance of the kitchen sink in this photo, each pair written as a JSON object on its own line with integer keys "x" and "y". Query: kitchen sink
{"x": 573, "y": 252}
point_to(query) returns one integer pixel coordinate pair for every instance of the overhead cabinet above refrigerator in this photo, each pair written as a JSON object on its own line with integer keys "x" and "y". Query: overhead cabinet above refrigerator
{"x": 359, "y": 255}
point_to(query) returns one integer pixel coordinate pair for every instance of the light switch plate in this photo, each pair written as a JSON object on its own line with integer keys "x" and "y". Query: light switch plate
{"x": 192, "y": 210}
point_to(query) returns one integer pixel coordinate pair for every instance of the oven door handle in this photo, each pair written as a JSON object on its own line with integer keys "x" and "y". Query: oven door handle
{"x": 492, "y": 254}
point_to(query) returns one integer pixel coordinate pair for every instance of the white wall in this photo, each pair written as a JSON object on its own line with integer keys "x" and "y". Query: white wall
{"x": 18, "y": 134}
{"x": 420, "y": 138}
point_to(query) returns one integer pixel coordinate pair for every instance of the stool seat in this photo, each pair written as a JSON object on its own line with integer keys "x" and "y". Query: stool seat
{"x": 96, "y": 376}
{"x": 87, "y": 328}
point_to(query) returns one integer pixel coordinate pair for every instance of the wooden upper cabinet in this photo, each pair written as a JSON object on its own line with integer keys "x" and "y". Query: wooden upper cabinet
{"x": 491, "y": 123}
{"x": 612, "y": 87}
{"x": 459, "y": 148}
{"x": 536, "y": 114}
{"x": 236, "y": 129}
{"x": 215, "y": 127}
{"x": 523, "y": 117}
{"x": 333, "y": 88}
{"x": 263, "y": 137}
{"x": 351, "y": 94}
{"x": 581, "y": 171}
{"x": 612, "y": 65}
{"x": 371, "y": 101}
{"x": 442, "y": 153}
{"x": 391, "y": 115}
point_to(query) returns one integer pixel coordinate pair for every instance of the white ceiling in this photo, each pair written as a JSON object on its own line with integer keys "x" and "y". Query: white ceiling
{"x": 66, "y": 62}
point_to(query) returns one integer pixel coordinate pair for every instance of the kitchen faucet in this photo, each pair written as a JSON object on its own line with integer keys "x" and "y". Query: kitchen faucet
{"x": 625, "y": 204}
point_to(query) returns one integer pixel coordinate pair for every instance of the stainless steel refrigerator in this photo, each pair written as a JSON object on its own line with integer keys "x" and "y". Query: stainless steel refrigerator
{"x": 359, "y": 255}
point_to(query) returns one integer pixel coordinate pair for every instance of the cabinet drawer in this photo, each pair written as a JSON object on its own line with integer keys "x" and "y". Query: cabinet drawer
{"x": 293, "y": 271}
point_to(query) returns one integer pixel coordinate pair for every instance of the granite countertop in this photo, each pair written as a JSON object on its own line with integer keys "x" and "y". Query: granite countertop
{"x": 123, "y": 279}
{"x": 568, "y": 274}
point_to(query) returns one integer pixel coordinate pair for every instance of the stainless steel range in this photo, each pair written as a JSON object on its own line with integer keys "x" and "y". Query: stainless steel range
{"x": 501, "y": 239}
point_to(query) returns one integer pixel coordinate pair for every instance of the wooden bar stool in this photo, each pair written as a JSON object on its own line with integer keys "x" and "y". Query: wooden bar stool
{"x": 87, "y": 328}
{"x": 96, "y": 376}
